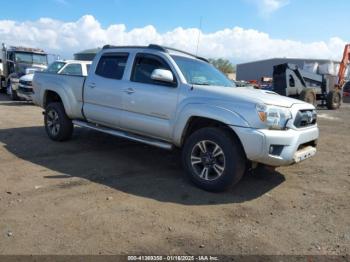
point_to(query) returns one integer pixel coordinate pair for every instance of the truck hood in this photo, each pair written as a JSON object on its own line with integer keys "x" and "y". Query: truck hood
{"x": 248, "y": 95}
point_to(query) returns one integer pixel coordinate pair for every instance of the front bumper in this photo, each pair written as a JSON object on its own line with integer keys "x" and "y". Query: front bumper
{"x": 278, "y": 147}
{"x": 25, "y": 92}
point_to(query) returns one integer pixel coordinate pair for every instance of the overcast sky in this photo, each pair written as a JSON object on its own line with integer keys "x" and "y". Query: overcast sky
{"x": 241, "y": 30}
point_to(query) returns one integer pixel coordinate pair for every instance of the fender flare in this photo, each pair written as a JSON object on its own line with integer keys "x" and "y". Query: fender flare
{"x": 64, "y": 98}
{"x": 216, "y": 113}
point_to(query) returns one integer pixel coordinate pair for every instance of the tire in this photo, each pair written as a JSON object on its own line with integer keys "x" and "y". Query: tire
{"x": 308, "y": 95}
{"x": 333, "y": 100}
{"x": 3, "y": 89}
{"x": 203, "y": 169}
{"x": 12, "y": 93}
{"x": 57, "y": 124}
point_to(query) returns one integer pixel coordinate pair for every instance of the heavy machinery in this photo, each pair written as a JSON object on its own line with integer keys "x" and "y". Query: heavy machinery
{"x": 16, "y": 62}
{"x": 343, "y": 67}
{"x": 290, "y": 80}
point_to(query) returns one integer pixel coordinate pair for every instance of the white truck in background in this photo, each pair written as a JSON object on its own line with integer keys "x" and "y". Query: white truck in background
{"x": 70, "y": 67}
{"x": 67, "y": 67}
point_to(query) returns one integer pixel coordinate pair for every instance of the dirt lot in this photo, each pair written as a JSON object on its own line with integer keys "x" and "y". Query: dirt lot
{"x": 97, "y": 194}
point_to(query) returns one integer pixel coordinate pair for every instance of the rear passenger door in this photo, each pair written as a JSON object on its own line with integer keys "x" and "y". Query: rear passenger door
{"x": 103, "y": 90}
{"x": 149, "y": 105}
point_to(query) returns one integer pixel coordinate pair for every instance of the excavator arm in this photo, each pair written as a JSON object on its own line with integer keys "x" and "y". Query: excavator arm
{"x": 343, "y": 65}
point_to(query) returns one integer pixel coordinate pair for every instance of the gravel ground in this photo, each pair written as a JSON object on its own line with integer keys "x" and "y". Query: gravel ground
{"x": 97, "y": 194}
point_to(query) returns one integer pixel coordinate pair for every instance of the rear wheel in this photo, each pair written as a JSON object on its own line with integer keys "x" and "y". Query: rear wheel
{"x": 333, "y": 100}
{"x": 213, "y": 159}
{"x": 308, "y": 95}
{"x": 57, "y": 124}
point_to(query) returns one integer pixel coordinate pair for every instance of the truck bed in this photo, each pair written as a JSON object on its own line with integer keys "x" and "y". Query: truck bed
{"x": 69, "y": 87}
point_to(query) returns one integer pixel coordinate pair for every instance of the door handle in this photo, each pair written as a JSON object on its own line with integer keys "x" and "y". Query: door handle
{"x": 92, "y": 85}
{"x": 129, "y": 91}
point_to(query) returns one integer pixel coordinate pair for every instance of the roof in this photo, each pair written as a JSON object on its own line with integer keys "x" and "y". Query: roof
{"x": 292, "y": 59}
{"x": 164, "y": 49}
{"x": 26, "y": 49}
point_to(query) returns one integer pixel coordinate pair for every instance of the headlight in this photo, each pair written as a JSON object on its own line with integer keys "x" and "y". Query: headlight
{"x": 273, "y": 116}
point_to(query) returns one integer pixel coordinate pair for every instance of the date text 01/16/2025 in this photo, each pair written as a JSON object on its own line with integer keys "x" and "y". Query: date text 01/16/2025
{"x": 172, "y": 258}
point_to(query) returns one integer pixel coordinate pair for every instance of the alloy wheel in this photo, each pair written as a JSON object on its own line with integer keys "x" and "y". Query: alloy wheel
{"x": 52, "y": 122}
{"x": 208, "y": 160}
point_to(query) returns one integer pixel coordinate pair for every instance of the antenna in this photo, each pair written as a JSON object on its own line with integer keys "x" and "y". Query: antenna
{"x": 199, "y": 34}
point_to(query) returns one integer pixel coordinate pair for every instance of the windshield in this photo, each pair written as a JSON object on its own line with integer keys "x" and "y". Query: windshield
{"x": 30, "y": 58}
{"x": 201, "y": 73}
{"x": 40, "y": 59}
{"x": 55, "y": 67}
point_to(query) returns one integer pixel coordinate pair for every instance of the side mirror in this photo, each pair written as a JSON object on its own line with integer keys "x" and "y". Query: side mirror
{"x": 162, "y": 75}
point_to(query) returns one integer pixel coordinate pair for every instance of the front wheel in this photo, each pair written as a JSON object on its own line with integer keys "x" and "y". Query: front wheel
{"x": 57, "y": 124}
{"x": 213, "y": 159}
{"x": 333, "y": 100}
{"x": 308, "y": 95}
{"x": 12, "y": 93}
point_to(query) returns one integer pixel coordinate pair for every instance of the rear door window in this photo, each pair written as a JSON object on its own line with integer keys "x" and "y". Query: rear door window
{"x": 112, "y": 65}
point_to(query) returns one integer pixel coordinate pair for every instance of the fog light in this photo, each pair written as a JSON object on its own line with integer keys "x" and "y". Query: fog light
{"x": 275, "y": 150}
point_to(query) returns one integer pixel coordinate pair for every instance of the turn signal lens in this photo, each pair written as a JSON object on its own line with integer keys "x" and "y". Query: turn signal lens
{"x": 263, "y": 116}
{"x": 262, "y": 111}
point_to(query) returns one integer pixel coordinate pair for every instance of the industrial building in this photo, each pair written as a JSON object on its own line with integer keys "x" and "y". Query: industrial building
{"x": 264, "y": 68}
{"x": 86, "y": 55}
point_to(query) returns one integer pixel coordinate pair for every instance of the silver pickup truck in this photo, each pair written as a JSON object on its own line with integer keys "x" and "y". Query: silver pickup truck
{"x": 169, "y": 98}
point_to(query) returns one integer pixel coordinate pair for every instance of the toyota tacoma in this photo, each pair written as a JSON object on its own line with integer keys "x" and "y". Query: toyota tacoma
{"x": 168, "y": 98}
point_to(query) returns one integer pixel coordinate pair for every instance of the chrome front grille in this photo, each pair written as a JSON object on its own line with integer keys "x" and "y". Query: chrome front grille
{"x": 26, "y": 83}
{"x": 25, "y": 89}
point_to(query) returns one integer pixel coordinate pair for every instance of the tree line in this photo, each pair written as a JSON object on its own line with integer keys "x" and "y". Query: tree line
{"x": 224, "y": 65}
